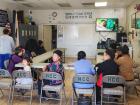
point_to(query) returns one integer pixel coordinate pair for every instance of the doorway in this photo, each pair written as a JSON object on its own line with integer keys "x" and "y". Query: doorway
{"x": 50, "y": 37}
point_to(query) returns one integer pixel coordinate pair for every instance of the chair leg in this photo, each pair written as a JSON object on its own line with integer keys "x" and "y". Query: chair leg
{"x": 9, "y": 98}
{"x": 13, "y": 89}
{"x": 2, "y": 92}
{"x": 61, "y": 97}
{"x": 65, "y": 96}
{"x": 40, "y": 98}
{"x": 72, "y": 99}
{"x": 31, "y": 96}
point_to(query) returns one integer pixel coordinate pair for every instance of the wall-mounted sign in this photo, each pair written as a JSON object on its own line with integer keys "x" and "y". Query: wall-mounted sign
{"x": 71, "y": 16}
{"x": 79, "y": 15}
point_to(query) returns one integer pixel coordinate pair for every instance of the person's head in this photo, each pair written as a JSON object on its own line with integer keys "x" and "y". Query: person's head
{"x": 104, "y": 23}
{"x": 40, "y": 43}
{"x": 109, "y": 54}
{"x": 81, "y": 55}
{"x": 118, "y": 51}
{"x": 26, "y": 61}
{"x": 6, "y": 31}
{"x": 19, "y": 51}
{"x": 57, "y": 54}
{"x": 125, "y": 50}
{"x": 31, "y": 45}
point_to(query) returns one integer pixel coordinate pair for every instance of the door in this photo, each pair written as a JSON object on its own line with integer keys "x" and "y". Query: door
{"x": 47, "y": 37}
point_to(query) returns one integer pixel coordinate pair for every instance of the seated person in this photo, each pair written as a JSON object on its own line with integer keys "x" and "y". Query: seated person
{"x": 26, "y": 64}
{"x": 108, "y": 67}
{"x": 16, "y": 58}
{"x": 118, "y": 52}
{"x": 83, "y": 66}
{"x": 125, "y": 64}
{"x": 55, "y": 66}
{"x": 41, "y": 48}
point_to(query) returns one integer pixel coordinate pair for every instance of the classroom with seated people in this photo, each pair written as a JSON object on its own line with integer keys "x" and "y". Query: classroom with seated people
{"x": 69, "y": 52}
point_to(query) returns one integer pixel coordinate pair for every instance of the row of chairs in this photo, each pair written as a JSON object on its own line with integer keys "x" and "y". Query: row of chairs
{"x": 12, "y": 85}
{"x": 108, "y": 95}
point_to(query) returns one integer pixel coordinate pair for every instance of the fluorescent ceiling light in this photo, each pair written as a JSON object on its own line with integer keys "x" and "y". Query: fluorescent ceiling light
{"x": 100, "y": 4}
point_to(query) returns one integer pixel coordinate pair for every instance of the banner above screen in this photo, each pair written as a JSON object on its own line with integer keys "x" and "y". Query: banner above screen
{"x": 71, "y": 16}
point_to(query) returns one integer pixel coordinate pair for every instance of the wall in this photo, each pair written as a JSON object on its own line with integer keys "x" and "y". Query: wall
{"x": 136, "y": 40}
{"x": 88, "y": 37}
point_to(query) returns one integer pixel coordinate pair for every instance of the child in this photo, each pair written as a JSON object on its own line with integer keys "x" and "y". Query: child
{"x": 55, "y": 66}
{"x": 25, "y": 81}
{"x": 17, "y": 57}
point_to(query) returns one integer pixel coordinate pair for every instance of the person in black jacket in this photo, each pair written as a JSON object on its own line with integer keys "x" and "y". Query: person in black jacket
{"x": 41, "y": 48}
{"x": 108, "y": 67}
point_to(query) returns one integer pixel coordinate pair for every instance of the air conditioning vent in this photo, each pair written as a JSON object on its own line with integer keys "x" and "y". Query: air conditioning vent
{"x": 88, "y": 4}
{"x": 27, "y": 5}
{"x": 19, "y": 0}
{"x": 64, "y": 4}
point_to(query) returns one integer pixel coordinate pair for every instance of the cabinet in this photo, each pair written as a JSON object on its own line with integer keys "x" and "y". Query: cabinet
{"x": 26, "y": 32}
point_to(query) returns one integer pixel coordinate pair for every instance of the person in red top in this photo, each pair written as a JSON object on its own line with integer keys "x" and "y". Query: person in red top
{"x": 108, "y": 67}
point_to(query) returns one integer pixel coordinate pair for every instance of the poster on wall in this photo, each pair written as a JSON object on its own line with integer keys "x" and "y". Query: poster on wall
{"x": 3, "y": 18}
{"x": 60, "y": 35}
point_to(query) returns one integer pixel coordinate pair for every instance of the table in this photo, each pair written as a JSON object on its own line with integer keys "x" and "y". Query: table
{"x": 34, "y": 65}
{"x": 67, "y": 66}
{"x": 48, "y": 55}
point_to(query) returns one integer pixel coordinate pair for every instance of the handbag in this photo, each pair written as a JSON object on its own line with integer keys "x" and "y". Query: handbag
{"x": 84, "y": 100}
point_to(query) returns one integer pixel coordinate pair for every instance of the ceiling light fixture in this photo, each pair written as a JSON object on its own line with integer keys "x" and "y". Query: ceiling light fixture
{"x": 100, "y": 4}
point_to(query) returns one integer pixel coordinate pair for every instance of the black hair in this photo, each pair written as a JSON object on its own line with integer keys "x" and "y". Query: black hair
{"x": 32, "y": 45}
{"x": 125, "y": 49}
{"x": 18, "y": 50}
{"x": 5, "y": 31}
{"x": 111, "y": 53}
{"x": 81, "y": 55}
{"x": 58, "y": 52}
{"x": 40, "y": 42}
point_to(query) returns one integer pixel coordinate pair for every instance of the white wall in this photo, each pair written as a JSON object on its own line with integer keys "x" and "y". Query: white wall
{"x": 87, "y": 37}
{"x": 136, "y": 41}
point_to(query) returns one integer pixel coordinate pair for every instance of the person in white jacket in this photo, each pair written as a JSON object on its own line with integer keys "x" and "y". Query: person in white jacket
{"x": 7, "y": 46}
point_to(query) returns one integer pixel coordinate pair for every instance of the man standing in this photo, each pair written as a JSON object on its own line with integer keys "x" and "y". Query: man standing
{"x": 7, "y": 46}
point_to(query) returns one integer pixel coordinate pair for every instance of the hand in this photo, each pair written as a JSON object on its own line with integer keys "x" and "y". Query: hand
{"x": 116, "y": 55}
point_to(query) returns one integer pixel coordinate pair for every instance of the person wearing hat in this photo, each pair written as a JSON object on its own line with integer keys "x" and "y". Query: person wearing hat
{"x": 16, "y": 58}
{"x": 107, "y": 67}
{"x": 7, "y": 46}
{"x": 55, "y": 66}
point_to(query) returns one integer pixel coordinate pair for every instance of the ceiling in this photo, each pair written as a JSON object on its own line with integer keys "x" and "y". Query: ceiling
{"x": 69, "y": 4}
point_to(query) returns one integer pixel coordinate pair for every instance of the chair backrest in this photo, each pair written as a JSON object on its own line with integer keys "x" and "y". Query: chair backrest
{"x": 85, "y": 78}
{"x": 21, "y": 74}
{"x": 113, "y": 79}
{"x": 4, "y": 73}
{"x": 6, "y": 62}
{"x": 51, "y": 76}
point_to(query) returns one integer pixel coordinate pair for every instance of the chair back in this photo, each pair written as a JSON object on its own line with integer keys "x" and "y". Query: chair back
{"x": 51, "y": 76}
{"x": 84, "y": 78}
{"x": 4, "y": 73}
{"x": 113, "y": 79}
{"x": 6, "y": 62}
{"x": 21, "y": 74}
